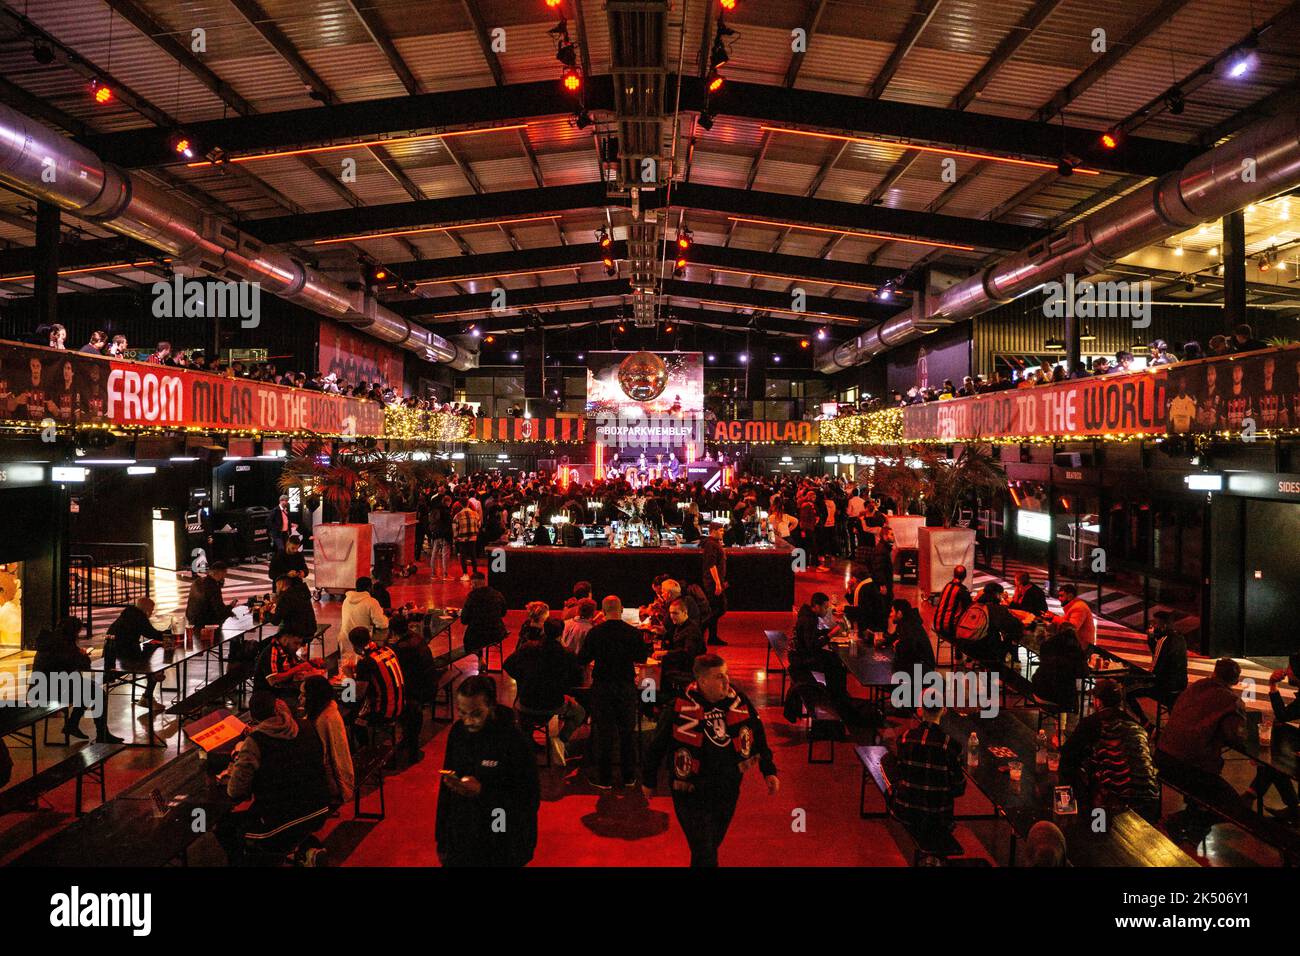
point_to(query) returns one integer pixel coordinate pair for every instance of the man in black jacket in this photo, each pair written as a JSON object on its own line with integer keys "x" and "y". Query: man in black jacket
{"x": 1168, "y": 676}
{"x": 205, "y": 606}
{"x": 487, "y": 804}
{"x": 131, "y": 632}
{"x": 290, "y": 561}
{"x": 278, "y": 524}
{"x": 1028, "y": 596}
{"x": 484, "y": 618}
{"x": 292, "y": 608}
{"x": 615, "y": 648}
{"x": 715, "y": 735}
{"x": 683, "y": 642}
{"x": 715, "y": 580}
{"x": 544, "y": 672}
{"x": 811, "y": 650}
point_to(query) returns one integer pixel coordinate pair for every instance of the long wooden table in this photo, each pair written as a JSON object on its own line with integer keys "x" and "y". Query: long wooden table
{"x": 1128, "y": 840}
{"x": 1279, "y": 754}
{"x": 159, "y": 659}
{"x": 20, "y": 722}
{"x": 126, "y": 831}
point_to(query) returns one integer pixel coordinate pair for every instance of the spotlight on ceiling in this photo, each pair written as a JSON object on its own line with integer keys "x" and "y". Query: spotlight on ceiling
{"x": 582, "y": 119}
{"x": 706, "y": 119}
{"x": 1064, "y": 168}
{"x": 43, "y": 53}
{"x": 101, "y": 92}
{"x": 1110, "y": 139}
{"x": 1175, "y": 102}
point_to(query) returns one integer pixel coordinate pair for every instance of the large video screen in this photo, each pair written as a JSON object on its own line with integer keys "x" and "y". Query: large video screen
{"x": 645, "y": 383}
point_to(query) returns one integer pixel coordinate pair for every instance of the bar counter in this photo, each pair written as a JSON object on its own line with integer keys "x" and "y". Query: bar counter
{"x": 760, "y": 578}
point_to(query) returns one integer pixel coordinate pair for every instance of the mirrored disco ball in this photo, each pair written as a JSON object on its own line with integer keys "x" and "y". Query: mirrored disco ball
{"x": 642, "y": 376}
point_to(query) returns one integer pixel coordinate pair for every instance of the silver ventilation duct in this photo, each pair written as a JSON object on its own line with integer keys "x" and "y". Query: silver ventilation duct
{"x": 39, "y": 162}
{"x": 1207, "y": 188}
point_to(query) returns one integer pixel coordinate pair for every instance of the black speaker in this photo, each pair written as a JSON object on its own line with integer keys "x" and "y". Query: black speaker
{"x": 756, "y": 376}
{"x": 534, "y": 357}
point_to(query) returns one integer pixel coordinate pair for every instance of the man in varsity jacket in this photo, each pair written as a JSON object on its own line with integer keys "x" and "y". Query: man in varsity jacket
{"x": 714, "y": 735}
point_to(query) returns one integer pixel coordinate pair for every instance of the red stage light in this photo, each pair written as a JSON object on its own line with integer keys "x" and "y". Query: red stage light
{"x": 715, "y": 81}
{"x": 803, "y": 343}
{"x": 552, "y": 4}
{"x": 102, "y": 93}
{"x": 489, "y": 339}
{"x": 681, "y": 262}
{"x": 683, "y": 242}
{"x": 572, "y": 80}
{"x": 1109, "y": 139}
{"x": 727, "y": 5}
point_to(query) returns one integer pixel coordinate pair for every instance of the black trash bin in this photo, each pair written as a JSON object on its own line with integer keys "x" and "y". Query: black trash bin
{"x": 385, "y": 560}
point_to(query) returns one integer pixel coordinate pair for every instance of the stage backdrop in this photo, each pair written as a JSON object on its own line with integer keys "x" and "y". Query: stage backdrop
{"x": 39, "y": 384}
{"x": 631, "y": 384}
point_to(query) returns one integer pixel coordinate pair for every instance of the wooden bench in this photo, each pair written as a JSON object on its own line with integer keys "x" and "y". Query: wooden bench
{"x": 779, "y": 644}
{"x": 1277, "y": 835}
{"x": 872, "y": 758}
{"x": 88, "y": 760}
{"x": 368, "y": 764}
{"x": 825, "y": 725}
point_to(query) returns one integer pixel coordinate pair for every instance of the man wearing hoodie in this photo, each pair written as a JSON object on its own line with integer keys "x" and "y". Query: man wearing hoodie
{"x": 488, "y": 801}
{"x": 280, "y": 766}
{"x": 360, "y": 609}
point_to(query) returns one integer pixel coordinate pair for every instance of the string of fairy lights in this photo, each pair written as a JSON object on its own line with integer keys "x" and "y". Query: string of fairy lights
{"x": 867, "y": 430}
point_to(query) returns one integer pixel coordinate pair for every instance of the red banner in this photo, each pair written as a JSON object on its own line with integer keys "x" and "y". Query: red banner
{"x": 530, "y": 429}
{"x": 357, "y": 358}
{"x": 1122, "y": 404}
{"x": 786, "y": 433}
{"x": 38, "y": 384}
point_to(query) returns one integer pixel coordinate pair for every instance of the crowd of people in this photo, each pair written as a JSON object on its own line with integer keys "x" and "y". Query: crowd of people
{"x": 1023, "y": 375}
{"x": 55, "y": 336}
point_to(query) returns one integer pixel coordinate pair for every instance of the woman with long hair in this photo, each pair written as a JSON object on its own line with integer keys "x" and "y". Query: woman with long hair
{"x": 317, "y": 698}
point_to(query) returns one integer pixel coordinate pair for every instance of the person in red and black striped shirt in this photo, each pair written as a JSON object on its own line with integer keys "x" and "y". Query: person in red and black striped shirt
{"x": 954, "y": 599}
{"x": 378, "y": 669}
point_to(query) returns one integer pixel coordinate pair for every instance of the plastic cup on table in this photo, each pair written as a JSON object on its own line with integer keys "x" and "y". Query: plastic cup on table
{"x": 1016, "y": 769}
{"x": 1053, "y": 761}
{"x": 1265, "y": 732}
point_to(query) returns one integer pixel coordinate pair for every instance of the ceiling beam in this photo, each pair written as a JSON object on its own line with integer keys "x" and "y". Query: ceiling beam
{"x": 374, "y": 26}
{"x": 806, "y": 109}
{"x": 1116, "y": 51}
{"x": 435, "y": 213}
{"x": 916, "y": 24}
{"x": 165, "y": 39}
{"x": 315, "y": 126}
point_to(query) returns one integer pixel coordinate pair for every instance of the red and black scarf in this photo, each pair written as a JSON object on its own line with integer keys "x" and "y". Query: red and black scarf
{"x": 689, "y": 711}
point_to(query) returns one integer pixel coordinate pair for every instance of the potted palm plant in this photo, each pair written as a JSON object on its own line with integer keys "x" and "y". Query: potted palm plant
{"x": 951, "y": 482}
{"x": 906, "y": 484}
{"x": 394, "y": 484}
{"x": 342, "y": 550}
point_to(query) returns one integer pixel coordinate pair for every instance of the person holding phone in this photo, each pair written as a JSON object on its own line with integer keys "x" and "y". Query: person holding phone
{"x": 489, "y": 791}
